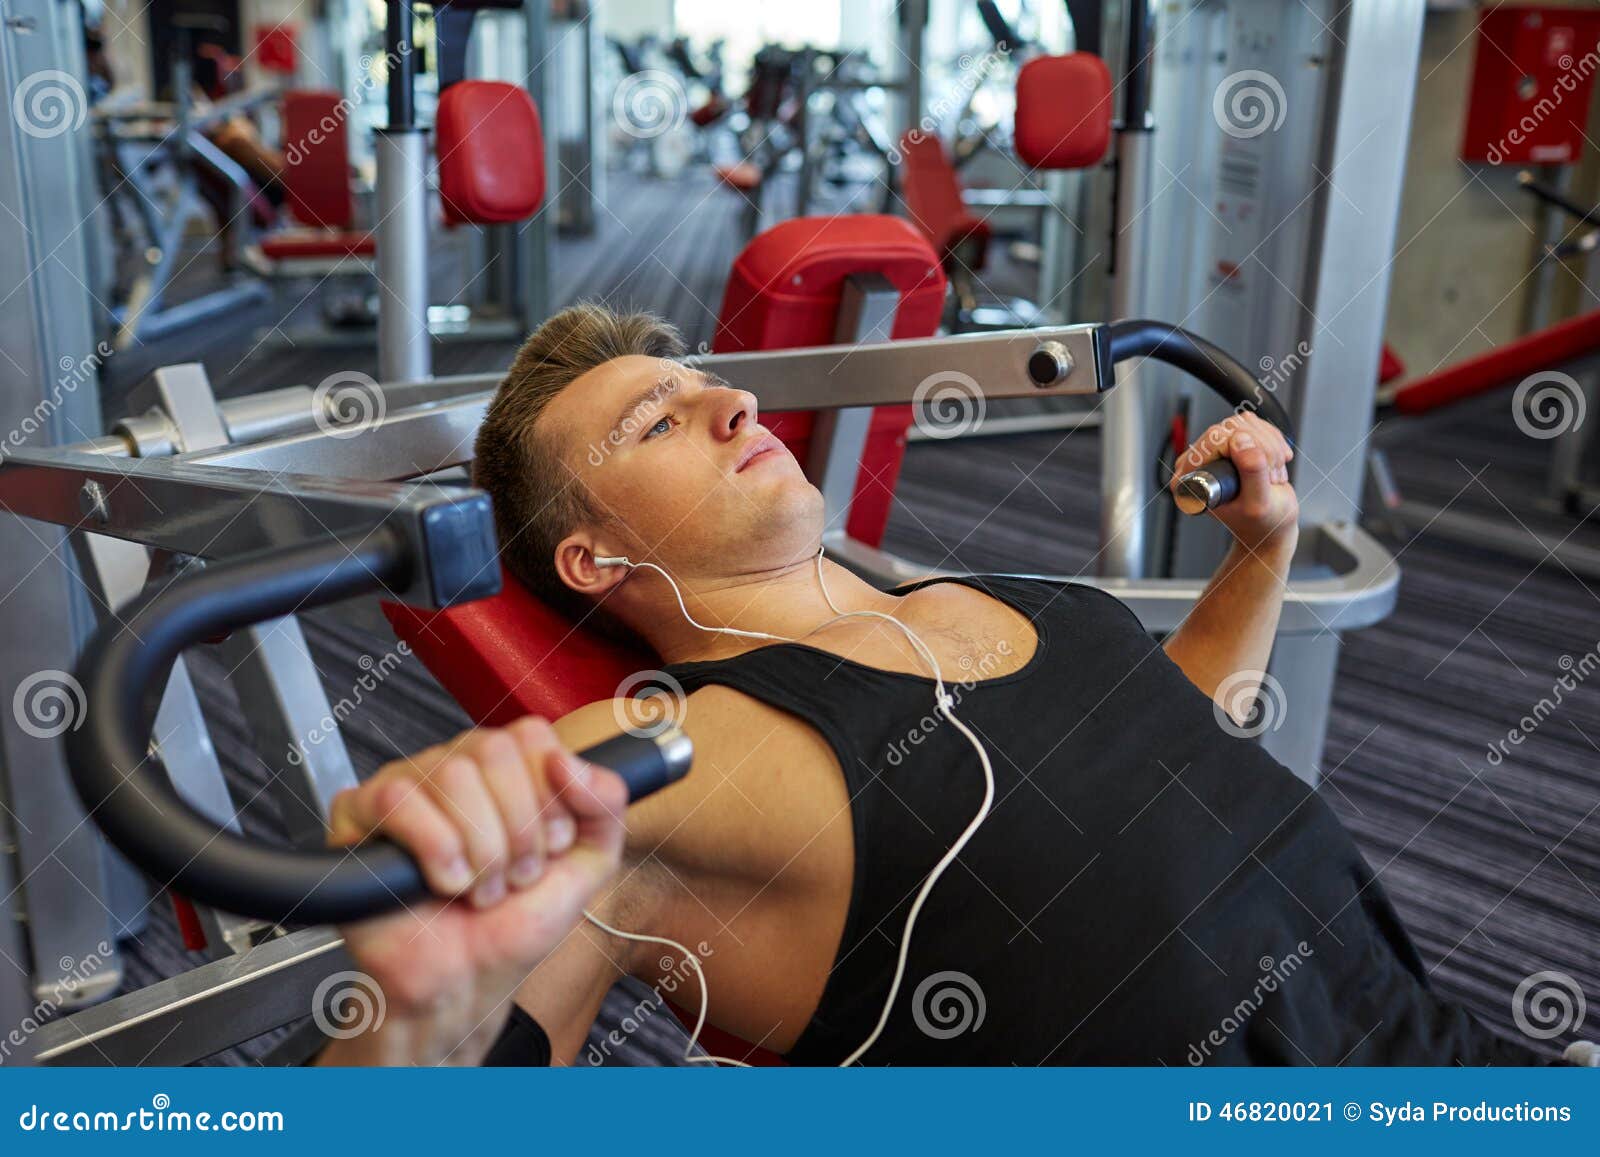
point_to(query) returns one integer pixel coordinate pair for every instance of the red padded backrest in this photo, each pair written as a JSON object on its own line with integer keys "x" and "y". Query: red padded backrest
{"x": 784, "y": 291}
{"x": 1064, "y": 111}
{"x": 316, "y": 154}
{"x": 932, "y": 194}
{"x": 491, "y": 153}
{"x": 509, "y": 655}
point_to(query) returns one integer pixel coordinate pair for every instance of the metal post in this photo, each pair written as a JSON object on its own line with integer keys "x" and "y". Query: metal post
{"x": 866, "y": 314}
{"x": 55, "y": 901}
{"x": 1375, "y": 45}
{"x": 534, "y": 238}
{"x": 1124, "y": 454}
{"x": 404, "y": 349}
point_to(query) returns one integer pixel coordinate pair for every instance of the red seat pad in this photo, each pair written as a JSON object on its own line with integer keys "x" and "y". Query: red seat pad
{"x": 509, "y": 655}
{"x": 491, "y": 153}
{"x": 784, "y": 292}
{"x": 1064, "y": 111}
{"x": 932, "y": 193}
{"x": 316, "y": 155}
{"x": 295, "y": 243}
{"x": 1390, "y": 366}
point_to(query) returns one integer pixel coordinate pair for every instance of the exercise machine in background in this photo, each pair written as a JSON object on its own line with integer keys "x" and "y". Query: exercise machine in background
{"x": 1556, "y": 374}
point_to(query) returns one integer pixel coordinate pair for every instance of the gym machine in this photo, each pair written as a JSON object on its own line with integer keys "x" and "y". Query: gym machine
{"x": 287, "y": 507}
{"x": 1274, "y": 237}
{"x": 150, "y": 153}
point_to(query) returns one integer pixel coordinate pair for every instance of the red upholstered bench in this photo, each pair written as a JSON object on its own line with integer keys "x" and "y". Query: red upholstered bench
{"x": 509, "y": 655}
{"x": 316, "y": 182}
{"x": 1063, "y": 121}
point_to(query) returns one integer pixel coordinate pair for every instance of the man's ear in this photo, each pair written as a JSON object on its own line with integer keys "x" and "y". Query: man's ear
{"x": 575, "y": 564}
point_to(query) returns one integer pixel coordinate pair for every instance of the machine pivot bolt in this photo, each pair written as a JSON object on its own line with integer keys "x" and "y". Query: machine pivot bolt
{"x": 1049, "y": 364}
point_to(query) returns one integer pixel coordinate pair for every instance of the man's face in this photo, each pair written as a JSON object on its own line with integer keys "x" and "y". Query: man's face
{"x": 681, "y": 469}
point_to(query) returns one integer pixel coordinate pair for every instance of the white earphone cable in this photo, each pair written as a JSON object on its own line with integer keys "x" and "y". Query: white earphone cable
{"x": 943, "y": 704}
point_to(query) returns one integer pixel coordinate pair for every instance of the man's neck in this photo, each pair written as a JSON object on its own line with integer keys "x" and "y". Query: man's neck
{"x": 787, "y": 602}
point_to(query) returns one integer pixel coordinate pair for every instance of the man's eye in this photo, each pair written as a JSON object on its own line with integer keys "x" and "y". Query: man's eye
{"x": 660, "y": 427}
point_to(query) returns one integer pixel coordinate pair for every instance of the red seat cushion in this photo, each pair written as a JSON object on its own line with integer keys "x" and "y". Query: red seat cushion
{"x": 932, "y": 193}
{"x": 509, "y": 655}
{"x": 293, "y": 243}
{"x": 1390, "y": 366}
{"x": 784, "y": 292}
{"x": 1064, "y": 111}
{"x": 316, "y": 156}
{"x": 491, "y": 153}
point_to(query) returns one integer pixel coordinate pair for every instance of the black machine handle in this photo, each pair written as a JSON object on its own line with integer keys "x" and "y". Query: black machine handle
{"x": 123, "y": 670}
{"x": 1217, "y": 482}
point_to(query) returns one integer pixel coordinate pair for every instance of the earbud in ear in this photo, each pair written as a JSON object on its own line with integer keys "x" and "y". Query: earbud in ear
{"x": 605, "y": 560}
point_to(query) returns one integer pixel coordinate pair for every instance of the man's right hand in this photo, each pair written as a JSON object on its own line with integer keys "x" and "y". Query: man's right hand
{"x": 516, "y": 835}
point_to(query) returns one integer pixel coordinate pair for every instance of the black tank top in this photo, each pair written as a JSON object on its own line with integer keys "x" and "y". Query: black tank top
{"x": 1148, "y": 888}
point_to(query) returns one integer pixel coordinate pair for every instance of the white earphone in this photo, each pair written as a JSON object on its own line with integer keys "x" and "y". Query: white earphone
{"x": 943, "y": 704}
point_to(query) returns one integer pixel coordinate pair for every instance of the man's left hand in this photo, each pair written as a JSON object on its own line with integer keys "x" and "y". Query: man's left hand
{"x": 1265, "y": 515}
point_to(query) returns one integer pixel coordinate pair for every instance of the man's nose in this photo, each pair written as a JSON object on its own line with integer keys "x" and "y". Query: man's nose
{"x": 734, "y": 412}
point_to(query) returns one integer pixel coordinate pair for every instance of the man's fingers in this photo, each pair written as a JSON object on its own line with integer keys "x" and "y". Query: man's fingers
{"x": 1255, "y": 470}
{"x": 596, "y": 799}
{"x": 514, "y": 788}
{"x": 412, "y": 818}
{"x": 458, "y": 788}
{"x": 539, "y": 741}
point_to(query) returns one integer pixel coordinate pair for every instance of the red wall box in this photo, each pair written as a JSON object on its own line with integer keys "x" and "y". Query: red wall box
{"x": 277, "y": 48}
{"x": 1531, "y": 79}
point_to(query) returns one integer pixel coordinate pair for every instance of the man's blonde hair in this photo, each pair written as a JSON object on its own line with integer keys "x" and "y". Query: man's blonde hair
{"x": 538, "y": 497}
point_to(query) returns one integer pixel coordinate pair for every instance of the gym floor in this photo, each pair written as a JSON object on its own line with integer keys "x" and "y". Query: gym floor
{"x": 1485, "y": 863}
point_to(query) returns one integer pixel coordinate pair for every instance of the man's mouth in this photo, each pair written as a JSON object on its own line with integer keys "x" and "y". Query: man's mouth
{"x": 760, "y": 448}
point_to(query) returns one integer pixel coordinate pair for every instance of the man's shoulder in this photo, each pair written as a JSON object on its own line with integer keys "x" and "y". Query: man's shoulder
{"x": 713, "y": 715}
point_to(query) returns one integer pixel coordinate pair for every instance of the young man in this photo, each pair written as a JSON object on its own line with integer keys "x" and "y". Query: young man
{"x": 1146, "y": 886}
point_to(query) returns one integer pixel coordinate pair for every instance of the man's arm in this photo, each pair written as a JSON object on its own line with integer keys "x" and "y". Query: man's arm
{"x": 514, "y": 836}
{"x": 1226, "y": 640}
